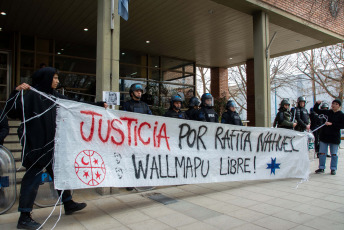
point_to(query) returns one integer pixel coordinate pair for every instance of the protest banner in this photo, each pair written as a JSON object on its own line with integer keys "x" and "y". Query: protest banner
{"x": 97, "y": 147}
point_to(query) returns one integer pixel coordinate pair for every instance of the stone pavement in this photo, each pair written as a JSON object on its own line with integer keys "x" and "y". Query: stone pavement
{"x": 273, "y": 204}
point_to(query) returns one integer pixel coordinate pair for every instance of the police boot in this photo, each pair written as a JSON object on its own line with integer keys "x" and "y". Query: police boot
{"x": 26, "y": 222}
{"x": 71, "y": 206}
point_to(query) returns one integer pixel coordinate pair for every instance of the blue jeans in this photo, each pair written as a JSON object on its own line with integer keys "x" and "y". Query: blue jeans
{"x": 29, "y": 188}
{"x": 323, "y": 152}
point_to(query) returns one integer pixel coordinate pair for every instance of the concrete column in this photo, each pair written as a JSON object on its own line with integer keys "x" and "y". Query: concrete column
{"x": 219, "y": 82}
{"x": 251, "y": 114}
{"x": 107, "y": 48}
{"x": 107, "y": 56}
{"x": 261, "y": 70}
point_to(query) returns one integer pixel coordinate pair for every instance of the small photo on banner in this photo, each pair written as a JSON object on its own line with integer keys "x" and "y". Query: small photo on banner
{"x": 111, "y": 98}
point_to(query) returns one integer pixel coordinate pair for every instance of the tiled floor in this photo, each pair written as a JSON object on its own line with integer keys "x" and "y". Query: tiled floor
{"x": 251, "y": 205}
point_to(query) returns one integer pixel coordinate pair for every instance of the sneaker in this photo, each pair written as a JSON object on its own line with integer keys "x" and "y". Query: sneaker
{"x": 319, "y": 171}
{"x": 26, "y": 222}
{"x": 70, "y": 207}
{"x": 333, "y": 172}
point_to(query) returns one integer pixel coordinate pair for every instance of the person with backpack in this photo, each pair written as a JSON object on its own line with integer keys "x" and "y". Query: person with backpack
{"x": 302, "y": 116}
{"x": 231, "y": 116}
{"x": 330, "y": 135}
{"x": 284, "y": 116}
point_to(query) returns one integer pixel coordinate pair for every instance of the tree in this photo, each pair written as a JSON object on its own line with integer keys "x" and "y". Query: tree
{"x": 203, "y": 80}
{"x": 325, "y": 67}
{"x": 281, "y": 70}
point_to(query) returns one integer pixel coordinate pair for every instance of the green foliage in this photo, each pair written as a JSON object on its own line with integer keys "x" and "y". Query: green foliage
{"x": 158, "y": 110}
{"x": 220, "y": 105}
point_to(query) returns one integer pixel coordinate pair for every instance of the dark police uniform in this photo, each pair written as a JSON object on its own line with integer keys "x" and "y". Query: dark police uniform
{"x": 232, "y": 118}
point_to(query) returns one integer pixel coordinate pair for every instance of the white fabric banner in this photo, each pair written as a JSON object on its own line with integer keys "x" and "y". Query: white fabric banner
{"x": 97, "y": 147}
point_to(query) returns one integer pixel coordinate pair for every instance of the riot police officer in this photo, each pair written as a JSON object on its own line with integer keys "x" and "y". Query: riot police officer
{"x": 207, "y": 112}
{"x": 231, "y": 116}
{"x": 192, "y": 112}
{"x": 135, "y": 104}
{"x": 284, "y": 117}
{"x": 175, "y": 106}
{"x": 301, "y": 115}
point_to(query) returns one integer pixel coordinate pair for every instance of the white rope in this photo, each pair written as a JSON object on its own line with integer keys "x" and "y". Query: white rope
{"x": 60, "y": 211}
{"x": 321, "y": 116}
{"x": 14, "y": 104}
{"x": 60, "y": 198}
{"x": 24, "y": 132}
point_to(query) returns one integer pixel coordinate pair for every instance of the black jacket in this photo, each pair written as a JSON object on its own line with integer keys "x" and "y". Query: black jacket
{"x": 283, "y": 119}
{"x": 192, "y": 113}
{"x": 315, "y": 120}
{"x": 208, "y": 114}
{"x": 302, "y": 118}
{"x": 40, "y": 132}
{"x": 4, "y": 129}
{"x": 331, "y": 133}
{"x": 174, "y": 114}
{"x": 136, "y": 107}
{"x": 232, "y": 118}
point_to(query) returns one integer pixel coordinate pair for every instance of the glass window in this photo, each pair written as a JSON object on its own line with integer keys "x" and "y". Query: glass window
{"x": 154, "y": 74}
{"x": 27, "y": 60}
{"x": 3, "y": 76}
{"x": 77, "y": 50}
{"x": 82, "y": 83}
{"x": 44, "y": 45}
{"x": 43, "y": 59}
{"x": 130, "y": 57}
{"x": 5, "y": 40}
{"x": 75, "y": 65}
{"x": 153, "y": 61}
{"x": 132, "y": 71}
{"x": 27, "y": 42}
{"x": 25, "y": 76}
{"x": 168, "y": 90}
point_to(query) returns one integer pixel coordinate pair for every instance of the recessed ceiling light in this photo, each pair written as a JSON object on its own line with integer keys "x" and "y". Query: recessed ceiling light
{"x": 0, "y": 29}
{"x": 58, "y": 52}
{"x": 156, "y": 66}
{"x": 3, "y": 13}
{"x": 230, "y": 58}
{"x": 85, "y": 29}
{"x": 147, "y": 41}
{"x": 62, "y": 49}
{"x": 123, "y": 53}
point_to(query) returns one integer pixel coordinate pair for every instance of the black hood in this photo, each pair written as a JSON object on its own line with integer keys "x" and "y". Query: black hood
{"x": 43, "y": 78}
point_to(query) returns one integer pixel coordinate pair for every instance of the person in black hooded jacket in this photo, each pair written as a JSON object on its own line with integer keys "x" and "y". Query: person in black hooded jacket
{"x": 330, "y": 135}
{"x": 39, "y": 142}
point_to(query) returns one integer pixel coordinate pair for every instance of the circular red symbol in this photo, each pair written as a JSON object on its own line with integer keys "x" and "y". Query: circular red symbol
{"x": 89, "y": 167}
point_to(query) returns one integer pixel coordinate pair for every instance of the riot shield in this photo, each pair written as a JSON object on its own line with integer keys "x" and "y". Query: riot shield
{"x": 8, "y": 185}
{"x": 47, "y": 195}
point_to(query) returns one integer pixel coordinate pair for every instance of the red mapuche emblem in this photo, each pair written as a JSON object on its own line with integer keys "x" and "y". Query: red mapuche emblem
{"x": 89, "y": 167}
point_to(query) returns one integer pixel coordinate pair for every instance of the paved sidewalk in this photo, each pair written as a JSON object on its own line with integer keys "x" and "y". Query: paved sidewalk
{"x": 252, "y": 205}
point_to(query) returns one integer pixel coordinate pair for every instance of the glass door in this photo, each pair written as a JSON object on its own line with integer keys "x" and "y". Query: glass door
{"x": 4, "y": 77}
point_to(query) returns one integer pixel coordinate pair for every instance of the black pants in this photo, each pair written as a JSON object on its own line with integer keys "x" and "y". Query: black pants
{"x": 29, "y": 188}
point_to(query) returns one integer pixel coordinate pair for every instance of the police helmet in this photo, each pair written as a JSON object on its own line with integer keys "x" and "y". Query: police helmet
{"x": 300, "y": 99}
{"x": 206, "y": 96}
{"x": 324, "y": 105}
{"x": 194, "y": 101}
{"x": 134, "y": 87}
{"x": 285, "y": 102}
{"x": 175, "y": 98}
{"x": 230, "y": 103}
